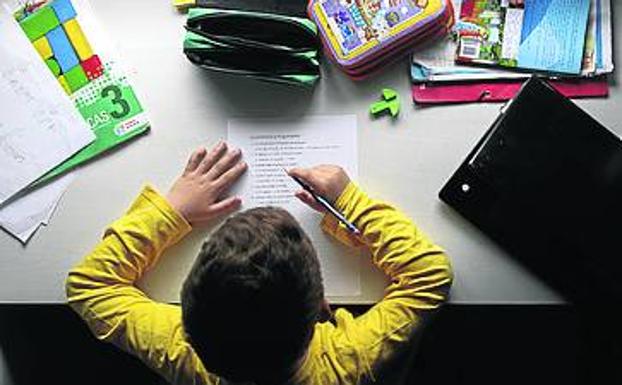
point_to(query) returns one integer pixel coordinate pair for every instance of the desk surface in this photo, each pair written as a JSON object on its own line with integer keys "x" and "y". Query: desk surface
{"x": 405, "y": 162}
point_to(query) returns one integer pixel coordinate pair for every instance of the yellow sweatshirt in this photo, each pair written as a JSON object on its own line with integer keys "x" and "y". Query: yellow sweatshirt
{"x": 101, "y": 289}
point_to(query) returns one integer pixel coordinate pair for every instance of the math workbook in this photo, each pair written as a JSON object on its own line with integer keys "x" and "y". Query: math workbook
{"x": 540, "y": 35}
{"x": 77, "y": 53}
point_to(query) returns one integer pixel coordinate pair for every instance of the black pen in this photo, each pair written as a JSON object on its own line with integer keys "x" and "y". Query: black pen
{"x": 321, "y": 200}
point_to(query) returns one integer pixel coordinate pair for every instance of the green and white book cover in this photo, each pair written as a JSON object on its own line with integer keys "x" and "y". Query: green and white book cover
{"x": 70, "y": 41}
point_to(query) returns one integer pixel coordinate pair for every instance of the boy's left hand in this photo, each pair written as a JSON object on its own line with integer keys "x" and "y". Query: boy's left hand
{"x": 198, "y": 193}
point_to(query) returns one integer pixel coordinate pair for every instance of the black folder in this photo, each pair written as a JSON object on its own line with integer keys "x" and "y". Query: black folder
{"x": 545, "y": 182}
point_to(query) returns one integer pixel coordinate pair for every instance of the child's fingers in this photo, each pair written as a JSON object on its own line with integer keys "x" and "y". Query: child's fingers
{"x": 305, "y": 174}
{"x": 196, "y": 158}
{"x": 212, "y": 157}
{"x": 305, "y": 197}
{"x": 226, "y": 180}
{"x": 316, "y": 177}
{"x": 224, "y": 164}
{"x": 308, "y": 199}
{"x": 224, "y": 206}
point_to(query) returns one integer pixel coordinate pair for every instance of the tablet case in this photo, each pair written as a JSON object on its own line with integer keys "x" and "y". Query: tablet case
{"x": 545, "y": 182}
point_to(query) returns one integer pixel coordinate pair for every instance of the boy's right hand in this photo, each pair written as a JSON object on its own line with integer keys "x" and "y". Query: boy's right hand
{"x": 327, "y": 180}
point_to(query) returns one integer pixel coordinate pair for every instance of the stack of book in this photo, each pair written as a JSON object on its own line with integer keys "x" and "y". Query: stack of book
{"x": 496, "y": 44}
{"x": 362, "y": 36}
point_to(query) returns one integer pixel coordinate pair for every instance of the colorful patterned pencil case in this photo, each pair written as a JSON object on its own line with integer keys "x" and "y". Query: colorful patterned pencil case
{"x": 361, "y": 36}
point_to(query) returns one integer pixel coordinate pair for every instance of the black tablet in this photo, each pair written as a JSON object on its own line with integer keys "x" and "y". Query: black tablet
{"x": 545, "y": 182}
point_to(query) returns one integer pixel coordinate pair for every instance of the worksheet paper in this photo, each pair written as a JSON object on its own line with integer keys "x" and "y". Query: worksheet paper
{"x": 269, "y": 146}
{"x": 23, "y": 216}
{"x": 39, "y": 126}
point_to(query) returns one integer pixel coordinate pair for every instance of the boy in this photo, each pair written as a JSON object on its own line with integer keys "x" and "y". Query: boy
{"x": 252, "y": 307}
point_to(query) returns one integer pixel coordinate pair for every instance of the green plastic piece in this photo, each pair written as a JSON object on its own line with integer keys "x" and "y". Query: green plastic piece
{"x": 39, "y": 23}
{"x": 390, "y": 102}
{"x": 76, "y": 78}
{"x": 389, "y": 94}
{"x": 53, "y": 66}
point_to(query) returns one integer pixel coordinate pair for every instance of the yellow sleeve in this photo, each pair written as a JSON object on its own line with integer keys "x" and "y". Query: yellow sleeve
{"x": 420, "y": 275}
{"x": 101, "y": 290}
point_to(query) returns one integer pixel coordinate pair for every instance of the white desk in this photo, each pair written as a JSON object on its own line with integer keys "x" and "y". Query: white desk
{"x": 405, "y": 162}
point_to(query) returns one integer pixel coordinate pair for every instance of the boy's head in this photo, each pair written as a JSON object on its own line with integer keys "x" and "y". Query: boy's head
{"x": 253, "y": 296}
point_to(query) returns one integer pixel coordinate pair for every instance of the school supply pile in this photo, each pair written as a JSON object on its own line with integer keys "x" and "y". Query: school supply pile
{"x": 362, "y": 36}
{"x": 259, "y": 43}
{"x": 70, "y": 101}
{"x": 496, "y": 44}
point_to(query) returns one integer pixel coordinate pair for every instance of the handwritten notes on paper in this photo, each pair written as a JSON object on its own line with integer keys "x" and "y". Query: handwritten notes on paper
{"x": 271, "y": 145}
{"x": 39, "y": 126}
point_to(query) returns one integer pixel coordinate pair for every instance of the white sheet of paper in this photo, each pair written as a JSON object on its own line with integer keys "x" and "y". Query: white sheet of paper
{"x": 268, "y": 146}
{"x": 607, "y": 38}
{"x": 26, "y": 214}
{"x": 43, "y": 127}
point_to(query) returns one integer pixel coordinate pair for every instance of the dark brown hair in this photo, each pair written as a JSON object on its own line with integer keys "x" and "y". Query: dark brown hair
{"x": 252, "y": 298}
